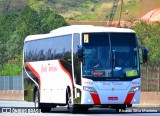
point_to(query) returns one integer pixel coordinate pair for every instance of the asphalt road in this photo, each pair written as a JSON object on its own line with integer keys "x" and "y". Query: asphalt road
{"x": 18, "y": 108}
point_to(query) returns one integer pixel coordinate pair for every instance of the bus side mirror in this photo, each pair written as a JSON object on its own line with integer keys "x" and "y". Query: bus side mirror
{"x": 144, "y": 54}
{"x": 80, "y": 52}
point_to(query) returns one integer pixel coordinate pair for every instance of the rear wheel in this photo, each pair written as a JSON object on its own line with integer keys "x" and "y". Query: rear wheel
{"x": 38, "y": 105}
{"x": 37, "y": 100}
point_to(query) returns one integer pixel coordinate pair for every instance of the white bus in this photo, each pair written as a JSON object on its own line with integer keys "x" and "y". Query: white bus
{"x": 83, "y": 66}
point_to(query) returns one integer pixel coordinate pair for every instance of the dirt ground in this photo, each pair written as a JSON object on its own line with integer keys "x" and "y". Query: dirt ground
{"x": 153, "y": 15}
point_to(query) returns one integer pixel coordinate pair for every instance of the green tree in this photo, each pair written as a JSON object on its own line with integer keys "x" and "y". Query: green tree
{"x": 51, "y": 20}
{"x": 13, "y": 30}
{"x": 148, "y": 35}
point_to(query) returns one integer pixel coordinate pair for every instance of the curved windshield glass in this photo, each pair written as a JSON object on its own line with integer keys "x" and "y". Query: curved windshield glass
{"x": 110, "y": 55}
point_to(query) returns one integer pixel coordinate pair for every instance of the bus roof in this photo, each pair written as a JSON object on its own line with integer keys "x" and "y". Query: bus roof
{"x": 78, "y": 29}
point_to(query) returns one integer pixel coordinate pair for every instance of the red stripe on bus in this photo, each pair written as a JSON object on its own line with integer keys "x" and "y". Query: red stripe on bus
{"x": 66, "y": 72}
{"x": 33, "y": 70}
{"x": 129, "y": 98}
{"x": 95, "y": 98}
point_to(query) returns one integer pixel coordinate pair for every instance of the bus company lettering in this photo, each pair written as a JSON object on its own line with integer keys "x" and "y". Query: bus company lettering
{"x": 117, "y": 83}
{"x": 48, "y": 68}
{"x": 113, "y": 83}
{"x": 106, "y": 83}
{"x": 88, "y": 82}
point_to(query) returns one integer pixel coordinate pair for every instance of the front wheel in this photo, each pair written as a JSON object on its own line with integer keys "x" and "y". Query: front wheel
{"x": 75, "y": 108}
{"x": 72, "y": 108}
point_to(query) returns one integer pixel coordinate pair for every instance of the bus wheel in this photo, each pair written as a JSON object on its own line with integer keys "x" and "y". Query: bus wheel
{"x": 72, "y": 108}
{"x": 37, "y": 100}
{"x": 38, "y": 105}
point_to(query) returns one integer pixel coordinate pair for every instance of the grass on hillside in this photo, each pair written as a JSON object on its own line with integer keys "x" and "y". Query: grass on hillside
{"x": 132, "y": 9}
{"x": 137, "y": 9}
{"x": 88, "y": 10}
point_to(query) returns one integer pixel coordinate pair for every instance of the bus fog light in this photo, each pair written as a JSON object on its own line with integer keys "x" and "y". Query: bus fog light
{"x": 90, "y": 89}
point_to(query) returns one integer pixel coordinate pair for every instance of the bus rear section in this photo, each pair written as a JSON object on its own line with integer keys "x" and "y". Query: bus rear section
{"x": 47, "y": 70}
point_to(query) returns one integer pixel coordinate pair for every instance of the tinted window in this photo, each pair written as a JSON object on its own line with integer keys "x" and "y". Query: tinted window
{"x": 111, "y": 55}
{"x": 48, "y": 49}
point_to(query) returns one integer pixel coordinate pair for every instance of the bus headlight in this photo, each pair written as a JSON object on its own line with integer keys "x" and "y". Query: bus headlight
{"x": 134, "y": 89}
{"x": 90, "y": 89}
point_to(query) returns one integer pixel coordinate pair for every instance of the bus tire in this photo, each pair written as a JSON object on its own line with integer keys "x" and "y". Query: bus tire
{"x": 37, "y": 100}
{"x": 38, "y": 105}
{"x": 72, "y": 108}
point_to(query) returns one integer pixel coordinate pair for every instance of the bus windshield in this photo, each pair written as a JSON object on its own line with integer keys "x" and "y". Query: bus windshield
{"x": 110, "y": 55}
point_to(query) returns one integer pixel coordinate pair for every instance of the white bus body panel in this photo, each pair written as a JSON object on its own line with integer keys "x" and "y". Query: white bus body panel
{"x": 53, "y": 81}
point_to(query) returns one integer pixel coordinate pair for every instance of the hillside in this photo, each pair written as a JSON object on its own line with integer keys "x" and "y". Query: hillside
{"x": 84, "y": 9}
{"x": 98, "y": 9}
